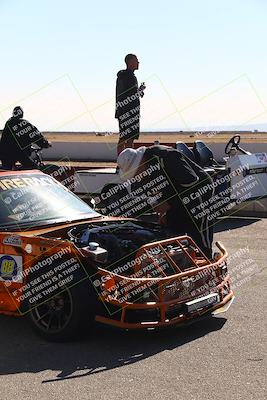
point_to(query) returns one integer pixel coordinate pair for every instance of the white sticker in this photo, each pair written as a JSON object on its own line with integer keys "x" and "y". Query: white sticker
{"x": 28, "y": 248}
{"x": 13, "y": 240}
{"x": 11, "y": 268}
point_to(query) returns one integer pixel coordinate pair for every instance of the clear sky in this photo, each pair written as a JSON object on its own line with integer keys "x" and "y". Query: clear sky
{"x": 204, "y": 62}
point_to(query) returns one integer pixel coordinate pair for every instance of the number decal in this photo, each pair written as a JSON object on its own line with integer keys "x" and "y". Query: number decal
{"x": 8, "y": 267}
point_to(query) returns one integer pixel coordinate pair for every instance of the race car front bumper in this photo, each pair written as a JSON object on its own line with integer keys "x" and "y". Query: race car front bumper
{"x": 148, "y": 315}
{"x": 199, "y": 289}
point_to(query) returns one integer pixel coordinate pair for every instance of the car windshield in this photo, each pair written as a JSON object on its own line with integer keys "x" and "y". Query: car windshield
{"x": 34, "y": 199}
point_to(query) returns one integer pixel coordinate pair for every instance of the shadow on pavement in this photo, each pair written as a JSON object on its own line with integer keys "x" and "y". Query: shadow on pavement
{"x": 233, "y": 223}
{"x": 101, "y": 350}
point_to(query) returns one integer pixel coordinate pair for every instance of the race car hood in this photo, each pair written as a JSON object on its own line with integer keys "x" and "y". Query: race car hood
{"x": 39, "y": 231}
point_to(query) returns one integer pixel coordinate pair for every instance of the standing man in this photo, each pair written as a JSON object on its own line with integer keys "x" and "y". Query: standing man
{"x": 128, "y": 103}
{"x": 180, "y": 188}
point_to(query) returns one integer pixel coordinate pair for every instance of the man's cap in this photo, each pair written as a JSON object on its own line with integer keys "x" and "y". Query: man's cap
{"x": 129, "y": 161}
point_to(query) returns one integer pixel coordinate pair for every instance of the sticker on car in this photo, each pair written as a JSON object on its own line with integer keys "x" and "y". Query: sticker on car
{"x": 10, "y": 268}
{"x": 13, "y": 240}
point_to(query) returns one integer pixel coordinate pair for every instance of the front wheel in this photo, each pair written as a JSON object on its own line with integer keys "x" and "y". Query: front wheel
{"x": 64, "y": 316}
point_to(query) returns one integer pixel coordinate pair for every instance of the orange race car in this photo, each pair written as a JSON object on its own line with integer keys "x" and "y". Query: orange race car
{"x": 66, "y": 266}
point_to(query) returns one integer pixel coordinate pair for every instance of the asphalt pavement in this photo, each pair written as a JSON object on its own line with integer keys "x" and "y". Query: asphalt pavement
{"x": 218, "y": 358}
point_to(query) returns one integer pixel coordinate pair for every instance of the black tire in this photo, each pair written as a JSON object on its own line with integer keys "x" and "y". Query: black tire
{"x": 62, "y": 318}
{"x": 65, "y": 315}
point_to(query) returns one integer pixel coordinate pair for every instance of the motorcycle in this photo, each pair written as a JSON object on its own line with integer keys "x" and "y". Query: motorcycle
{"x": 62, "y": 173}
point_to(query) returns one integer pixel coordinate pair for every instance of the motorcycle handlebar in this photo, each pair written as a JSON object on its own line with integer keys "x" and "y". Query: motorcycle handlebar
{"x": 44, "y": 145}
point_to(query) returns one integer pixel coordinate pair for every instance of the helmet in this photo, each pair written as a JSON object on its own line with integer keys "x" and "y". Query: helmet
{"x": 18, "y": 112}
{"x": 129, "y": 160}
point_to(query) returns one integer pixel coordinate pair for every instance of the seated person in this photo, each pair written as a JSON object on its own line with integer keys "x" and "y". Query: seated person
{"x": 17, "y": 137}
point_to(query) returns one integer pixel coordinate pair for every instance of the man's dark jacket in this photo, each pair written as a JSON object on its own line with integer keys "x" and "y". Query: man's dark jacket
{"x": 17, "y": 137}
{"x": 126, "y": 92}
